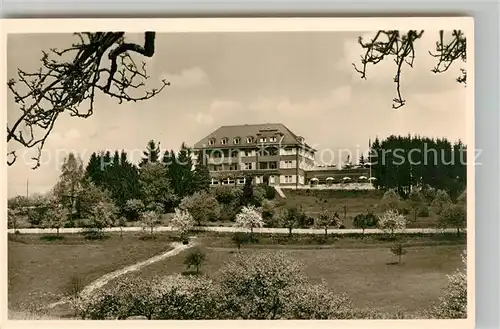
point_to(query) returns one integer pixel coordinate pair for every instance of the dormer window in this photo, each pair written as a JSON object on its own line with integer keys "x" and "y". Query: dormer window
{"x": 272, "y": 139}
{"x": 262, "y": 140}
{"x": 250, "y": 139}
{"x": 211, "y": 141}
{"x": 236, "y": 140}
{"x": 223, "y": 141}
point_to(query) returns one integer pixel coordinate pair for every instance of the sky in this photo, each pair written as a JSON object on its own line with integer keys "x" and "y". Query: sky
{"x": 304, "y": 80}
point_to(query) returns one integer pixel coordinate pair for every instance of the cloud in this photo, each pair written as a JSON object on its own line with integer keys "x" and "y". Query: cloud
{"x": 57, "y": 138}
{"x": 201, "y": 118}
{"x": 219, "y": 111}
{"x": 187, "y": 78}
{"x": 335, "y": 99}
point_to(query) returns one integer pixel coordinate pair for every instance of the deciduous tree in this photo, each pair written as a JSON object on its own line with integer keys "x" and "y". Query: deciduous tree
{"x": 202, "y": 206}
{"x": 391, "y": 221}
{"x": 69, "y": 79}
{"x": 249, "y": 218}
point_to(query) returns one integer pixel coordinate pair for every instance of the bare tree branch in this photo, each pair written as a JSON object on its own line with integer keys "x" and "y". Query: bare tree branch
{"x": 400, "y": 46}
{"x": 390, "y": 43}
{"x": 450, "y": 52}
{"x": 69, "y": 79}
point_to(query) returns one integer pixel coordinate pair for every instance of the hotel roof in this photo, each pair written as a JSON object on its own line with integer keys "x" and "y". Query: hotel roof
{"x": 255, "y": 131}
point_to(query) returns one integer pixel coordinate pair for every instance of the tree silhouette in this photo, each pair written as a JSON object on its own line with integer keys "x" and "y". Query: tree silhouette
{"x": 401, "y": 47}
{"x": 69, "y": 79}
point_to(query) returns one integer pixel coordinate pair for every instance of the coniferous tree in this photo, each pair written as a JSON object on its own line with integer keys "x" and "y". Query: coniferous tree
{"x": 201, "y": 175}
{"x": 151, "y": 154}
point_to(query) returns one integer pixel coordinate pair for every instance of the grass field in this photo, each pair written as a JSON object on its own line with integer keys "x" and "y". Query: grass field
{"x": 369, "y": 276}
{"x": 40, "y": 271}
{"x": 355, "y": 202}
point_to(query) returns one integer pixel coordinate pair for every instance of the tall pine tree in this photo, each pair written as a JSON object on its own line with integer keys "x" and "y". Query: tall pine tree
{"x": 151, "y": 154}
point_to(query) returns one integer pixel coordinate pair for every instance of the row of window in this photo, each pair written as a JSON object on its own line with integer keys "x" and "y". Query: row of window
{"x": 230, "y": 181}
{"x": 262, "y": 165}
{"x": 249, "y": 166}
{"x": 249, "y": 140}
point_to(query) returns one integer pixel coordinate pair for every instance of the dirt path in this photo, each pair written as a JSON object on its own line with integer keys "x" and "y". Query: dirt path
{"x": 177, "y": 248}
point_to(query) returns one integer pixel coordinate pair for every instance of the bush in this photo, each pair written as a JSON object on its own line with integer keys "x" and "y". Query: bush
{"x": 227, "y": 195}
{"x": 390, "y": 201}
{"x": 441, "y": 201}
{"x": 398, "y": 250}
{"x": 51, "y": 237}
{"x": 453, "y": 304}
{"x": 391, "y": 221}
{"x": 454, "y": 216}
{"x": 255, "y": 286}
{"x": 195, "y": 258}
{"x": 133, "y": 209}
{"x": 423, "y": 211}
{"x": 270, "y": 193}
{"x": 259, "y": 194}
{"x": 202, "y": 206}
{"x": 168, "y": 298}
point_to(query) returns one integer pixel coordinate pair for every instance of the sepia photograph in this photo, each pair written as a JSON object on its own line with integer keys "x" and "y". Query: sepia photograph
{"x": 258, "y": 170}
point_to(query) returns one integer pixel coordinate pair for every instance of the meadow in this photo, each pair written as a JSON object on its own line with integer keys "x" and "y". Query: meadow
{"x": 41, "y": 271}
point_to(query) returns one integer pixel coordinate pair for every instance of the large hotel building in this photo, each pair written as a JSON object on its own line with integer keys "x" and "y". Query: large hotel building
{"x": 269, "y": 154}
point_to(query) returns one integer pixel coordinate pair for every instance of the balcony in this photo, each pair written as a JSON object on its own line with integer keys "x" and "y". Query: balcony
{"x": 225, "y": 160}
{"x": 269, "y": 158}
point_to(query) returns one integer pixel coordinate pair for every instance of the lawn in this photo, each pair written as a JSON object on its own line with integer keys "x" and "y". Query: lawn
{"x": 41, "y": 271}
{"x": 369, "y": 276}
{"x": 355, "y": 202}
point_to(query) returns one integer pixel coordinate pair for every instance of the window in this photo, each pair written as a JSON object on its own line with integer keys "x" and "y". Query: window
{"x": 288, "y": 164}
{"x": 262, "y": 140}
{"x": 248, "y": 153}
{"x": 219, "y": 168}
{"x": 272, "y": 139}
{"x": 272, "y": 165}
{"x": 249, "y": 139}
{"x": 241, "y": 180}
{"x": 234, "y": 154}
{"x": 214, "y": 182}
{"x": 233, "y": 166}
{"x": 211, "y": 141}
{"x": 236, "y": 140}
{"x": 288, "y": 179}
{"x": 223, "y": 141}
{"x": 247, "y": 166}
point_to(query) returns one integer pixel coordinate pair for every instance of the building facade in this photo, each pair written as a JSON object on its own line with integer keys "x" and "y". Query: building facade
{"x": 266, "y": 153}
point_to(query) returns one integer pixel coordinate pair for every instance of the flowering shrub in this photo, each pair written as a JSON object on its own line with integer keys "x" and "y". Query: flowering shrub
{"x": 167, "y": 298}
{"x": 258, "y": 286}
{"x": 182, "y": 221}
{"x": 317, "y": 302}
{"x": 391, "y": 221}
{"x": 255, "y": 286}
{"x": 150, "y": 219}
{"x": 102, "y": 215}
{"x": 453, "y": 304}
{"x": 12, "y": 218}
{"x": 249, "y": 218}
